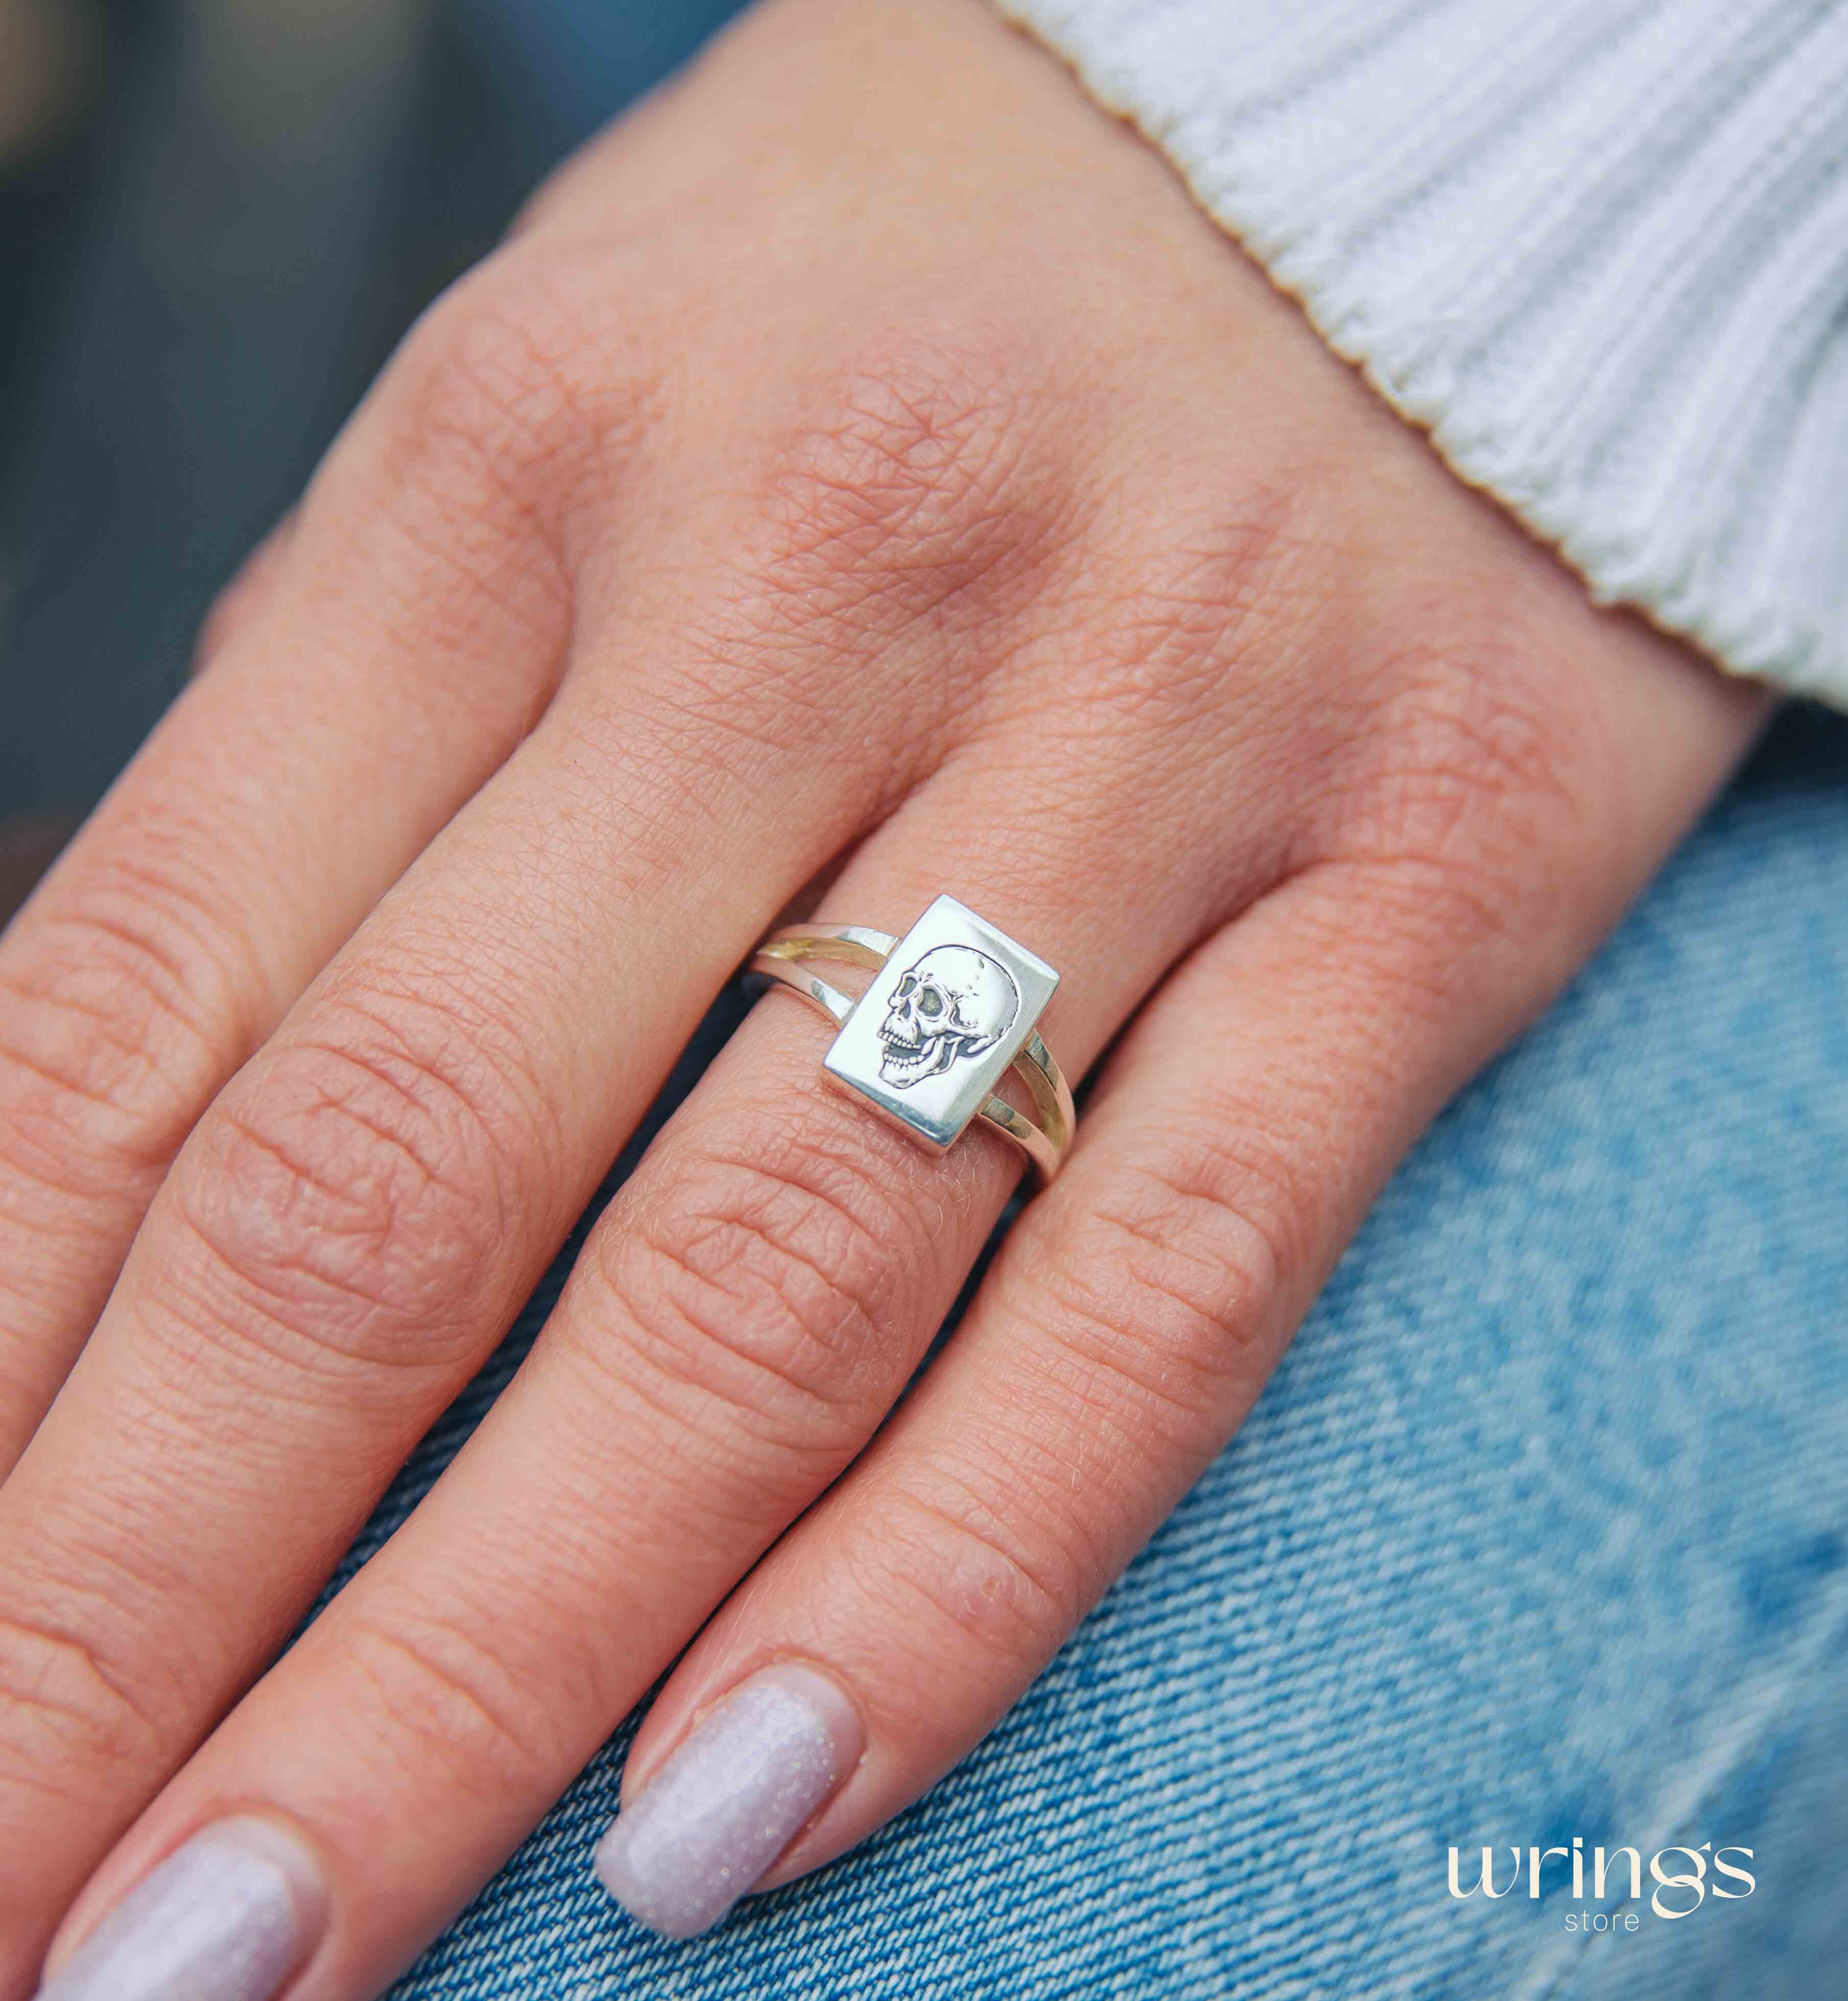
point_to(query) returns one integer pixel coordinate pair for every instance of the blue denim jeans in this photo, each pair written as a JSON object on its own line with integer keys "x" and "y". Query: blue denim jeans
{"x": 1539, "y": 1532}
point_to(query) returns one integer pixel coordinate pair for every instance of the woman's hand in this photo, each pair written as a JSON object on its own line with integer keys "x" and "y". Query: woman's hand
{"x": 864, "y": 468}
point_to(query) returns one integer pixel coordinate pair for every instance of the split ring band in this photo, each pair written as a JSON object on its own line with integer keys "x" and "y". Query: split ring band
{"x": 952, "y": 1006}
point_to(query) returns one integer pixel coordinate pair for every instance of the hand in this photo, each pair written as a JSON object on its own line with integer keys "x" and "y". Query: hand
{"x": 864, "y": 460}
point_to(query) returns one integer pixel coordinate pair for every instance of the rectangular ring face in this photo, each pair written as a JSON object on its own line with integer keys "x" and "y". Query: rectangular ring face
{"x": 943, "y": 1017}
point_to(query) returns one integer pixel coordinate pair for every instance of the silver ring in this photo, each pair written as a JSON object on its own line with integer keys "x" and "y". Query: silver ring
{"x": 952, "y": 1006}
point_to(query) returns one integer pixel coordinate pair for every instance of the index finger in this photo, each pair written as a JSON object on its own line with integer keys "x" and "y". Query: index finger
{"x": 359, "y": 696}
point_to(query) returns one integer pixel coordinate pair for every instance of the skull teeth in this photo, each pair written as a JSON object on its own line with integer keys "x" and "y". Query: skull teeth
{"x": 905, "y": 1063}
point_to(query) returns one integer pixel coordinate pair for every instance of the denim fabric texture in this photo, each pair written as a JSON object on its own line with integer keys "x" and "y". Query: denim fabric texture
{"x": 1541, "y": 1529}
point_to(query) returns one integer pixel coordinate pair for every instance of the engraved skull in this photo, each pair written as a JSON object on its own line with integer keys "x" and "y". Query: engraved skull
{"x": 955, "y": 1002}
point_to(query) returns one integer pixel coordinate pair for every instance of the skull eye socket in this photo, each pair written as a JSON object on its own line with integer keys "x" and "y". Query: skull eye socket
{"x": 902, "y": 991}
{"x": 930, "y": 1002}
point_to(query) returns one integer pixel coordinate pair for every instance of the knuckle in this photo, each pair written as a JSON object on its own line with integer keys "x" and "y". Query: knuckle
{"x": 918, "y": 484}
{"x": 1208, "y": 582}
{"x": 437, "y": 1696}
{"x": 482, "y": 474}
{"x": 63, "y": 1706}
{"x": 914, "y": 493}
{"x": 521, "y": 384}
{"x": 353, "y": 1197}
{"x": 1168, "y": 1285}
{"x": 761, "y": 1277}
{"x": 124, "y": 1005}
{"x": 1196, "y": 616}
{"x": 1008, "y": 1583}
{"x": 1473, "y": 763}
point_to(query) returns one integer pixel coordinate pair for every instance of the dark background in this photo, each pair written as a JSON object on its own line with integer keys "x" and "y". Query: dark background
{"x": 216, "y": 218}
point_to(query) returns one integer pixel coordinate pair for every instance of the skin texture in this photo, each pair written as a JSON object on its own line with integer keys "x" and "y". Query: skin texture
{"x": 863, "y": 467}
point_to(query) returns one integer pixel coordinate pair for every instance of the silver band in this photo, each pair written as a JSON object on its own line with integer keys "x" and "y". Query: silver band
{"x": 952, "y": 1007}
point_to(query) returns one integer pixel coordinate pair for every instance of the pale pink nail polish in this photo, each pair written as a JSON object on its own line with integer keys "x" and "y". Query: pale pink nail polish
{"x": 229, "y": 1915}
{"x": 727, "y": 1802}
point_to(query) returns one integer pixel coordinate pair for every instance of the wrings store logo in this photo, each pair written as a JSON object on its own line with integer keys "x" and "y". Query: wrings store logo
{"x": 1679, "y": 1891}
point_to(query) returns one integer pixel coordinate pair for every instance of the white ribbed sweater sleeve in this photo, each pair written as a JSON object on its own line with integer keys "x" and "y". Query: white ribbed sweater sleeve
{"x": 1598, "y": 247}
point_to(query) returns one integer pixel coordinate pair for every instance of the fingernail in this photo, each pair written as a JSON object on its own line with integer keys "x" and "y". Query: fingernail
{"x": 228, "y": 1916}
{"x": 726, "y": 1805}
